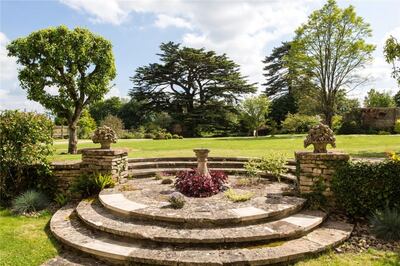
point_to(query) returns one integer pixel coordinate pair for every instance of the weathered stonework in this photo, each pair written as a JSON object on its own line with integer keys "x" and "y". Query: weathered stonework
{"x": 311, "y": 167}
{"x": 103, "y": 161}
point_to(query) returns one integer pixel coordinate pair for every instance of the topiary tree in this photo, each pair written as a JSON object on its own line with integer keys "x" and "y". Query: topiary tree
{"x": 78, "y": 64}
{"x": 320, "y": 136}
{"x": 25, "y": 144}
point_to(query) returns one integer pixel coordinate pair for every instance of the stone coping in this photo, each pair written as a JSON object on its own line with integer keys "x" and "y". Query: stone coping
{"x": 67, "y": 228}
{"x": 94, "y": 215}
{"x": 149, "y": 200}
{"x": 104, "y": 152}
{"x": 322, "y": 156}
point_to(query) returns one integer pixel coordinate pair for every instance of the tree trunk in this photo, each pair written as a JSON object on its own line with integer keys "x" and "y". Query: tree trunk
{"x": 328, "y": 118}
{"x": 73, "y": 138}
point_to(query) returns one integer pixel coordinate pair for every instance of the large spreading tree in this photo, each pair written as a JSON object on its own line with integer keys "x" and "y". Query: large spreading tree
{"x": 329, "y": 49}
{"x": 196, "y": 87}
{"x": 65, "y": 71}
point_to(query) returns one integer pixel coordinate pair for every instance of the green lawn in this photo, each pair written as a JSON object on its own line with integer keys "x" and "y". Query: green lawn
{"x": 24, "y": 241}
{"x": 356, "y": 145}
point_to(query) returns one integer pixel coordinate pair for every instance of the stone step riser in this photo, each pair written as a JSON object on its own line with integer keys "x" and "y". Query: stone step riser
{"x": 93, "y": 215}
{"x": 69, "y": 230}
{"x": 184, "y": 165}
{"x": 193, "y": 159}
{"x": 274, "y": 209}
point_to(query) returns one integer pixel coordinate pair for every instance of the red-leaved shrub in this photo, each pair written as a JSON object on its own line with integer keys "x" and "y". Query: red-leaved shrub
{"x": 193, "y": 185}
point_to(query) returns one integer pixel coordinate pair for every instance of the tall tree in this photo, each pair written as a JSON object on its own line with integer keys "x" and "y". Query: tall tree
{"x": 77, "y": 63}
{"x": 378, "y": 99}
{"x": 187, "y": 80}
{"x": 255, "y": 111}
{"x": 392, "y": 56}
{"x": 101, "y": 109}
{"x": 329, "y": 49}
{"x": 278, "y": 84}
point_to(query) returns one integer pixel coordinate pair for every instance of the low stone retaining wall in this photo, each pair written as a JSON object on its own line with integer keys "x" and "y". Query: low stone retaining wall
{"x": 102, "y": 161}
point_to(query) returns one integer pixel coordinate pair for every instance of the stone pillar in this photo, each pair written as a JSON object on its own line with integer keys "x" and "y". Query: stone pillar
{"x": 313, "y": 166}
{"x": 105, "y": 161}
{"x": 202, "y": 155}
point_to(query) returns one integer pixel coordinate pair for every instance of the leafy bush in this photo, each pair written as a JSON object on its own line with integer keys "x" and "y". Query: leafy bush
{"x": 337, "y": 122}
{"x": 88, "y": 185}
{"x": 115, "y": 123}
{"x": 167, "y": 181}
{"x": 298, "y": 123}
{"x": 397, "y": 126}
{"x": 362, "y": 187}
{"x": 149, "y": 136}
{"x": 25, "y": 144}
{"x": 382, "y": 132}
{"x": 86, "y": 125}
{"x": 272, "y": 163}
{"x": 175, "y": 136}
{"x": 386, "y": 224}
{"x": 168, "y": 136}
{"x": 191, "y": 184}
{"x": 30, "y": 201}
{"x": 177, "y": 200}
{"x": 235, "y": 196}
{"x": 61, "y": 199}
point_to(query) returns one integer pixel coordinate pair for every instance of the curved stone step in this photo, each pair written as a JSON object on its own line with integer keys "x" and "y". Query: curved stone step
{"x": 257, "y": 210}
{"x": 210, "y": 158}
{"x": 142, "y": 173}
{"x": 69, "y": 230}
{"x": 184, "y": 164}
{"x": 94, "y": 215}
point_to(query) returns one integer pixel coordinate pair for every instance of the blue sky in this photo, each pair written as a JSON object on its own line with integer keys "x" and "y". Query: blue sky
{"x": 245, "y": 30}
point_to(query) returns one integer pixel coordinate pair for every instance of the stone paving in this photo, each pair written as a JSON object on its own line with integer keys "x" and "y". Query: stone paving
{"x": 132, "y": 224}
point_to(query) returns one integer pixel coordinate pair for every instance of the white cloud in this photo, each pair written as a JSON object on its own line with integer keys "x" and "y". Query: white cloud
{"x": 164, "y": 21}
{"x": 243, "y": 30}
{"x": 8, "y": 65}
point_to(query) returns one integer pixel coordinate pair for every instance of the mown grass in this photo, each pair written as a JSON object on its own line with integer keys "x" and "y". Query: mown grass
{"x": 356, "y": 145}
{"x": 25, "y": 241}
{"x": 371, "y": 257}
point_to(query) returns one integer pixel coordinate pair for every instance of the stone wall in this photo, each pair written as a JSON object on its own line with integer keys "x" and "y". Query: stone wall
{"x": 104, "y": 161}
{"x": 311, "y": 167}
{"x": 374, "y": 118}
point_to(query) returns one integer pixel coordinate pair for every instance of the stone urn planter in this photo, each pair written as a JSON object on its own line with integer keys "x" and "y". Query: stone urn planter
{"x": 320, "y": 136}
{"x": 105, "y": 136}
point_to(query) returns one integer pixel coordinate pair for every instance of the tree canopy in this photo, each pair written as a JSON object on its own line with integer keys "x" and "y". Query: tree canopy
{"x": 329, "y": 49}
{"x": 379, "y": 99}
{"x": 64, "y": 70}
{"x": 188, "y": 83}
{"x": 255, "y": 111}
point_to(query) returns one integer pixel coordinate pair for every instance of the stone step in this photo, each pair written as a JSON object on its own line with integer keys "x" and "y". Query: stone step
{"x": 194, "y": 159}
{"x": 68, "y": 229}
{"x": 255, "y": 210}
{"x": 183, "y": 164}
{"x": 94, "y": 215}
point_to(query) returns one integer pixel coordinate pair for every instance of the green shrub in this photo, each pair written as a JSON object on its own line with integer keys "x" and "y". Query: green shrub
{"x": 115, "y": 123}
{"x": 298, "y": 123}
{"x": 167, "y": 181}
{"x": 397, "y": 126}
{"x": 175, "y": 136}
{"x": 337, "y": 121}
{"x": 149, "y": 136}
{"x": 177, "y": 200}
{"x": 382, "y": 132}
{"x": 159, "y": 135}
{"x": 168, "y": 136}
{"x": 235, "y": 196}
{"x": 86, "y": 125}
{"x": 88, "y": 185}
{"x": 30, "y": 201}
{"x": 362, "y": 187}
{"x": 386, "y": 224}
{"x": 272, "y": 163}
{"x": 25, "y": 144}
{"x": 61, "y": 199}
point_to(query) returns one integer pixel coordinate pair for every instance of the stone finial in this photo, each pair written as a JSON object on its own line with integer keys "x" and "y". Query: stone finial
{"x": 320, "y": 136}
{"x": 105, "y": 136}
{"x": 202, "y": 155}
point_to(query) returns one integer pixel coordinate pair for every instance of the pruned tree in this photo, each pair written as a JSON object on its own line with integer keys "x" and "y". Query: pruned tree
{"x": 77, "y": 64}
{"x": 187, "y": 80}
{"x": 329, "y": 49}
{"x": 392, "y": 56}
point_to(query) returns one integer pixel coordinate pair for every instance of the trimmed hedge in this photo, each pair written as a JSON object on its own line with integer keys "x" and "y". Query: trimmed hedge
{"x": 361, "y": 188}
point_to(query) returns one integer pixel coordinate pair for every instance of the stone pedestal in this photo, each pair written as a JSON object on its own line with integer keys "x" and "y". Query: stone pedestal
{"x": 311, "y": 167}
{"x": 202, "y": 155}
{"x": 105, "y": 161}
